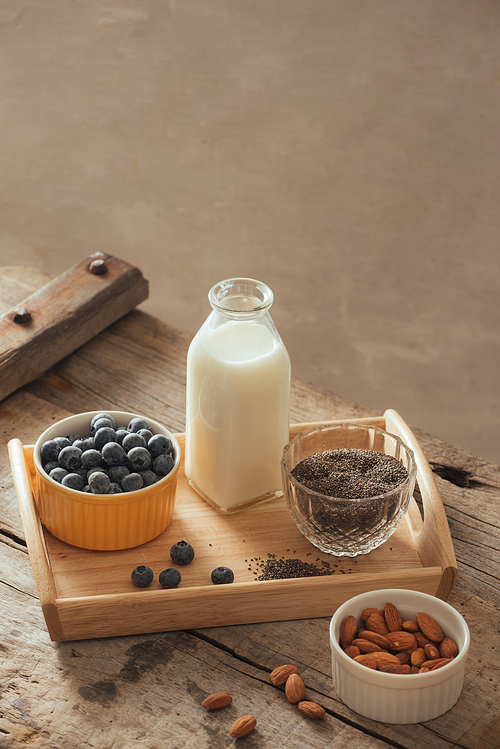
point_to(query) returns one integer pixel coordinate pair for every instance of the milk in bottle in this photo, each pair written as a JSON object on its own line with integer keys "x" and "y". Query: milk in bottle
{"x": 238, "y": 394}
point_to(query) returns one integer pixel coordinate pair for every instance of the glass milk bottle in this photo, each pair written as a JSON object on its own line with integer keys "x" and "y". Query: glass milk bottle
{"x": 238, "y": 399}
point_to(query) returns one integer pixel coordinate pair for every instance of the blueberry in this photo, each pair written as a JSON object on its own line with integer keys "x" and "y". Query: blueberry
{"x": 159, "y": 445}
{"x": 120, "y": 434}
{"x": 70, "y": 458}
{"x": 132, "y": 482}
{"x": 49, "y": 451}
{"x": 163, "y": 464}
{"x": 142, "y": 576}
{"x": 149, "y": 478}
{"x": 48, "y": 467}
{"x": 62, "y": 442}
{"x": 73, "y": 481}
{"x": 101, "y": 424}
{"x": 133, "y": 440}
{"x": 139, "y": 458}
{"x": 95, "y": 469}
{"x": 116, "y": 473}
{"x": 146, "y": 434}
{"x": 58, "y": 474}
{"x": 103, "y": 436}
{"x": 91, "y": 459}
{"x": 182, "y": 553}
{"x": 85, "y": 444}
{"x": 137, "y": 423}
{"x": 102, "y": 415}
{"x": 99, "y": 482}
{"x": 74, "y": 437}
{"x": 114, "y": 454}
{"x": 222, "y": 576}
{"x": 169, "y": 578}
{"x": 115, "y": 488}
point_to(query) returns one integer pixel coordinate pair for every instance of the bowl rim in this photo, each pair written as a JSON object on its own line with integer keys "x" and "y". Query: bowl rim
{"x": 379, "y": 678}
{"x": 91, "y": 498}
{"x": 403, "y": 486}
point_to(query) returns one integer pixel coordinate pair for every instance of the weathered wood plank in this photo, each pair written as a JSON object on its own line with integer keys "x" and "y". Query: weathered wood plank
{"x": 64, "y": 314}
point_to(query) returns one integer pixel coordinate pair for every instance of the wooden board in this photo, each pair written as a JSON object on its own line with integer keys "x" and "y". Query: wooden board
{"x": 89, "y": 594}
{"x": 63, "y": 315}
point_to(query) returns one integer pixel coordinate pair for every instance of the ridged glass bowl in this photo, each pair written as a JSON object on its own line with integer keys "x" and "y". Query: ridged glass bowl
{"x": 346, "y": 526}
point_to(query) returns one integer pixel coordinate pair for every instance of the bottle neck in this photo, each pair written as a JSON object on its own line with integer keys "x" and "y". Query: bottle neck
{"x": 240, "y": 298}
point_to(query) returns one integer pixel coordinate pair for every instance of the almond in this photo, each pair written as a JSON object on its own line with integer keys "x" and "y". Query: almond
{"x": 448, "y": 648}
{"x": 442, "y": 662}
{"x": 348, "y": 631}
{"x": 281, "y": 674}
{"x": 383, "y": 658}
{"x": 403, "y": 657}
{"x": 365, "y": 615}
{"x": 392, "y": 618}
{"x": 365, "y": 646}
{"x": 217, "y": 700}
{"x": 436, "y": 662}
{"x": 432, "y": 652}
{"x": 242, "y": 726}
{"x": 311, "y": 709}
{"x": 401, "y": 640}
{"x": 367, "y": 659}
{"x": 376, "y": 623}
{"x": 429, "y": 627}
{"x": 424, "y": 670}
{"x": 395, "y": 668}
{"x": 352, "y": 651}
{"x": 295, "y": 689}
{"x": 418, "y": 657}
{"x": 379, "y": 640}
{"x": 421, "y": 639}
{"x": 410, "y": 626}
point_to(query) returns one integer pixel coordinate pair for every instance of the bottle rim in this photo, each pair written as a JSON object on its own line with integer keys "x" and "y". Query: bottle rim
{"x": 240, "y": 297}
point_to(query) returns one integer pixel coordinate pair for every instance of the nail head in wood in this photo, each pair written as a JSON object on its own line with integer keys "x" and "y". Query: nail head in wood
{"x": 98, "y": 267}
{"x": 20, "y": 315}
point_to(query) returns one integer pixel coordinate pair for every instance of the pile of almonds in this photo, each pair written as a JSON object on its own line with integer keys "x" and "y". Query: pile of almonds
{"x": 386, "y": 642}
{"x": 295, "y": 692}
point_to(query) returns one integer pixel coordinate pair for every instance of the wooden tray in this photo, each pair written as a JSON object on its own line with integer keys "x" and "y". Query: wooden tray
{"x": 88, "y": 594}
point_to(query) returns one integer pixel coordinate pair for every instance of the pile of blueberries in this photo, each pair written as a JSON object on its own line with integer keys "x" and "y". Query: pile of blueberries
{"x": 109, "y": 460}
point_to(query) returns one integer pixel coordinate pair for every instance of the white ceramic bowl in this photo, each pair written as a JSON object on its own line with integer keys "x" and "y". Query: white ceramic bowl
{"x": 399, "y": 698}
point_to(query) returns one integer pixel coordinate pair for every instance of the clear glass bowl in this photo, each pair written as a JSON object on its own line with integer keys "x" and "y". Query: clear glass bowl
{"x": 346, "y": 526}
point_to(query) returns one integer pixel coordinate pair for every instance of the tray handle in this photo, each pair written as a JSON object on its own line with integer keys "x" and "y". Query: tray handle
{"x": 35, "y": 540}
{"x": 433, "y": 539}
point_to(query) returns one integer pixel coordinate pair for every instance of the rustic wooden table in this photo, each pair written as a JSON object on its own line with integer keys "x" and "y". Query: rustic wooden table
{"x": 146, "y": 690}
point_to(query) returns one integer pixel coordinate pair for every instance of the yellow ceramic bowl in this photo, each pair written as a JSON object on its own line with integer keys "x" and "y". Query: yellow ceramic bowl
{"x": 104, "y": 521}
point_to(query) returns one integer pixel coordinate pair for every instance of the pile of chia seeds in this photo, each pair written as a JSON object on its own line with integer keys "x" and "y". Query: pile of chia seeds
{"x": 344, "y": 476}
{"x": 280, "y": 568}
{"x": 350, "y": 473}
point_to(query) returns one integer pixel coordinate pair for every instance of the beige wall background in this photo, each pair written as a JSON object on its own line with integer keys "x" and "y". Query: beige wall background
{"x": 346, "y": 152}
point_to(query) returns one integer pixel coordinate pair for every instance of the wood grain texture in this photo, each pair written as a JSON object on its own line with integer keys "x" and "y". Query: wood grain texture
{"x": 146, "y": 690}
{"x": 65, "y": 313}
